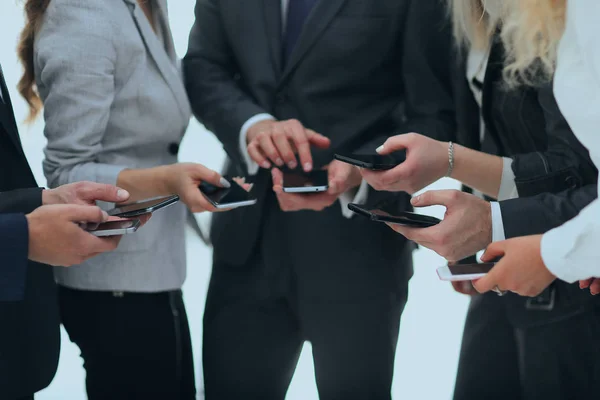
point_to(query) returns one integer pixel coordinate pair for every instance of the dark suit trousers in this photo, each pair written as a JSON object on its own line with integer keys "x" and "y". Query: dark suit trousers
{"x": 258, "y": 315}
{"x": 552, "y": 361}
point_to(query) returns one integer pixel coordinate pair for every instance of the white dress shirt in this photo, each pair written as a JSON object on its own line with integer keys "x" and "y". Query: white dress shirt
{"x": 571, "y": 251}
{"x": 351, "y": 196}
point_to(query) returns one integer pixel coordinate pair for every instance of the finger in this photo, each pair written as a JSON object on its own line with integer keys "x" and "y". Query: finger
{"x": 490, "y": 281}
{"x": 339, "y": 174}
{"x": 393, "y": 143}
{"x": 494, "y": 251}
{"x": 196, "y": 202}
{"x": 282, "y": 142}
{"x": 277, "y": 177}
{"x": 585, "y": 283}
{"x": 435, "y": 197}
{"x": 92, "y": 191}
{"x": 595, "y": 287}
{"x": 299, "y": 136}
{"x": 266, "y": 144}
{"x": 318, "y": 140}
{"x": 204, "y": 174}
{"x": 256, "y": 154}
{"x": 77, "y": 213}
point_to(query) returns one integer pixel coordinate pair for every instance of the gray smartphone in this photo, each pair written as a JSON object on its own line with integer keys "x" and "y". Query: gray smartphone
{"x": 114, "y": 228}
{"x": 301, "y": 182}
{"x": 143, "y": 207}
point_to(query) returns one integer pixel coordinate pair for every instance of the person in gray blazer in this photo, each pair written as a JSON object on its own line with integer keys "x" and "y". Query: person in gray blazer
{"x": 116, "y": 110}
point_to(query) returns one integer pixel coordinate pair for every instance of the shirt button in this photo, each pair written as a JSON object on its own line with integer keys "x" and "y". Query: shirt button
{"x": 174, "y": 149}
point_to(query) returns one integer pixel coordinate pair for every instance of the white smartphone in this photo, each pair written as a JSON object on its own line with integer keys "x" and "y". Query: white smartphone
{"x": 222, "y": 198}
{"x": 114, "y": 228}
{"x": 301, "y": 182}
{"x": 464, "y": 272}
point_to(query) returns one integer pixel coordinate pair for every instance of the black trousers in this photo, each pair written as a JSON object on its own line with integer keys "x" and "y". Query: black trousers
{"x": 296, "y": 288}
{"x": 502, "y": 360}
{"x": 134, "y": 346}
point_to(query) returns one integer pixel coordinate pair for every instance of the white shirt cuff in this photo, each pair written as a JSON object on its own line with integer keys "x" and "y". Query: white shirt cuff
{"x": 250, "y": 164}
{"x": 498, "y": 234}
{"x": 508, "y": 188}
{"x": 349, "y": 196}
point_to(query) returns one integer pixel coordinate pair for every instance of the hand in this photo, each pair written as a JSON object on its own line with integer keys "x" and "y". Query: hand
{"x": 342, "y": 177}
{"x": 56, "y": 238}
{"x": 426, "y": 162}
{"x": 277, "y": 142}
{"x": 183, "y": 179}
{"x": 464, "y": 287}
{"x": 84, "y": 193}
{"x": 521, "y": 269}
{"x": 466, "y": 228}
{"x": 593, "y": 284}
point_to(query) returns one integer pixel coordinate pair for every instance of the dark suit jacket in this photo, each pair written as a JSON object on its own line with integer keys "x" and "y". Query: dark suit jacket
{"x": 554, "y": 174}
{"x": 14, "y": 238}
{"x": 29, "y": 333}
{"x": 360, "y": 72}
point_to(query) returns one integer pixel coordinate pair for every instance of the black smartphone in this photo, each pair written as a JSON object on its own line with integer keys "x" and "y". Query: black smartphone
{"x": 114, "y": 228}
{"x": 233, "y": 197}
{"x": 373, "y": 162}
{"x": 302, "y": 182}
{"x": 464, "y": 272}
{"x": 143, "y": 207}
{"x": 401, "y": 218}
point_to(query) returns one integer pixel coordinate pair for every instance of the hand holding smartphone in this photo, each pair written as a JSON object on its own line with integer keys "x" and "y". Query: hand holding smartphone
{"x": 374, "y": 162}
{"x": 404, "y": 218}
{"x": 225, "y": 198}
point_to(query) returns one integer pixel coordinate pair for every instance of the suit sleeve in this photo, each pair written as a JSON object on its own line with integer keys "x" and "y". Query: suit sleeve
{"x": 14, "y": 248}
{"x": 428, "y": 53}
{"x": 565, "y": 164}
{"x": 75, "y": 62}
{"x": 20, "y": 200}
{"x": 539, "y": 214}
{"x": 209, "y": 68}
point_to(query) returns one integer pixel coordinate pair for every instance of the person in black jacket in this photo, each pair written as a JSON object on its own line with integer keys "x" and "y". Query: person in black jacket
{"x": 513, "y": 347}
{"x": 29, "y": 337}
{"x": 334, "y": 74}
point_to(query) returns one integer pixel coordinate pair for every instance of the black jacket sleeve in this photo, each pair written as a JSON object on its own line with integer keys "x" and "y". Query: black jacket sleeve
{"x": 14, "y": 247}
{"x": 539, "y": 214}
{"x": 20, "y": 200}
{"x": 209, "y": 70}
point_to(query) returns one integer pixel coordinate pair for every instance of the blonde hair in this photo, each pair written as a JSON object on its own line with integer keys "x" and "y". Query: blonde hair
{"x": 531, "y": 32}
{"x": 471, "y": 25}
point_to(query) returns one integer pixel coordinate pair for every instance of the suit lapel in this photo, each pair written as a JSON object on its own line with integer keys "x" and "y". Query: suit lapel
{"x": 317, "y": 21}
{"x": 274, "y": 31}
{"x": 7, "y": 117}
{"x": 166, "y": 63}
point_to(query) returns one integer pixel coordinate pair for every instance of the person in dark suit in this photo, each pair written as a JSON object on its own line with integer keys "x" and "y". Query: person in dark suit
{"x": 29, "y": 338}
{"x": 290, "y": 83}
{"x": 513, "y": 347}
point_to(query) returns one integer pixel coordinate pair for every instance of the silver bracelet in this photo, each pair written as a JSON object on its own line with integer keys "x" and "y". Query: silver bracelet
{"x": 450, "y": 159}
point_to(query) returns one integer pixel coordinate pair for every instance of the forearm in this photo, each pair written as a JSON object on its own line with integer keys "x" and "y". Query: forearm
{"x": 480, "y": 171}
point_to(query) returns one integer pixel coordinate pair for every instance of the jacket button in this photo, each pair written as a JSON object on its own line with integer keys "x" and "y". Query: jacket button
{"x": 174, "y": 149}
{"x": 571, "y": 182}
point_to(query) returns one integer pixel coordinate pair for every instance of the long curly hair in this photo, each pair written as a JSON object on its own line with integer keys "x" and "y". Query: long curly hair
{"x": 34, "y": 13}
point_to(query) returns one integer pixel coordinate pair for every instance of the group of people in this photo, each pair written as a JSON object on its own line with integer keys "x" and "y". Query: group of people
{"x": 501, "y": 95}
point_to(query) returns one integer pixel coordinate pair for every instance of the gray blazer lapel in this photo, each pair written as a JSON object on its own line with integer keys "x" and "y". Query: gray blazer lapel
{"x": 273, "y": 27}
{"x": 314, "y": 26}
{"x": 164, "y": 56}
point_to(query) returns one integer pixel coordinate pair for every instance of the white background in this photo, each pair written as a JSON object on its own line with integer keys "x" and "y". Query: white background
{"x": 432, "y": 322}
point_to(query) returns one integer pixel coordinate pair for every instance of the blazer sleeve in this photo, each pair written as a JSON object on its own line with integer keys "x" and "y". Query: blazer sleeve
{"x": 209, "y": 72}
{"x": 428, "y": 52}
{"x": 539, "y": 214}
{"x": 75, "y": 60}
{"x": 566, "y": 163}
{"x": 14, "y": 248}
{"x": 20, "y": 200}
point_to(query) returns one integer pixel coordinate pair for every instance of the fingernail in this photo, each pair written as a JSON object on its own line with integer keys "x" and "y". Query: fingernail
{"x": 104, "y": 215}
{"x": 225, "y": 183}
{"x": 292, "y": 164}
{"x": 415, "y": 200}
{"x": 279, "y": 162}
{"x": 122, "y": 194}
{"x": 266, "y": 165}
{"x": 307, "y": 167}
{"x": 379, "y": 149}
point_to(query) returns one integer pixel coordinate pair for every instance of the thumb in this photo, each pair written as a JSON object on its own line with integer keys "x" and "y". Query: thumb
{"x": 76, "y": 213}
{"x": 277, "y": 177}
{"x": 392, "y": 144}
{"x": 318, "y": 140}
{"x": 99, "y": 191}
{"x": 204, "y": 174}
{"x": 434, "y": 197}
{"x": 488, "y": 282}
{"x": 493, "y": 251}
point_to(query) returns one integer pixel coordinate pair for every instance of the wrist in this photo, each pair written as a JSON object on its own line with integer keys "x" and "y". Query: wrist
{"x": 32, "y": 229}
{"x": 49, "y": 197}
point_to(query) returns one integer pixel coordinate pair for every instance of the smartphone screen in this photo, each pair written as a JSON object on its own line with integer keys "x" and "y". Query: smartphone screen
{"x": 143, "y": 207}
{"x": 235, "y": 196}
{"x": 299, "y": 182}
{"x": 470, "y": 269}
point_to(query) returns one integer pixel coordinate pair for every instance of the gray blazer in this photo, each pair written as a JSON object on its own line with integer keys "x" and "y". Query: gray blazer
{"x": 114, "y": 99}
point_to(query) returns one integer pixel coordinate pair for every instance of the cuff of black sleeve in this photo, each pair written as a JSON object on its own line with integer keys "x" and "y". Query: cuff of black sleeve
{"x": 15, "y": 248}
